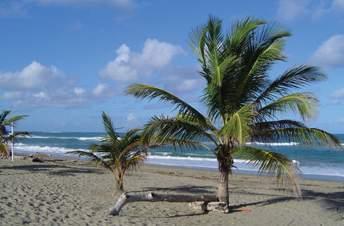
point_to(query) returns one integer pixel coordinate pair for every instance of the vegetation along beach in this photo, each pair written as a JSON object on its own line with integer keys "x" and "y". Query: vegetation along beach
{"x": 224, "y": 117}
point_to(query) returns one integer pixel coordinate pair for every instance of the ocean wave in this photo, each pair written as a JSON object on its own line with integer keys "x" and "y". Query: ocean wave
{"x": 43, "y": 149}
{"x": 189, "y": 158}
{"x": 273, "y": 144}
{"x": 193, "y": 162}
{"x": 242, "y": 165}
{"x": 98, "y": 138}
{"x": 66, "y": 138}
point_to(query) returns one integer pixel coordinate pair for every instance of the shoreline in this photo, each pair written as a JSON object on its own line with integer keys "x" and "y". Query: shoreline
{"x": 148, "y": 162}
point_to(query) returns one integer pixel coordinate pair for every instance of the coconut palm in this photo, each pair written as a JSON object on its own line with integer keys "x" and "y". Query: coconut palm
{"x": 117, "y": 153}
{"x": 243, "y": 102}
{"x": 5, "y": 136}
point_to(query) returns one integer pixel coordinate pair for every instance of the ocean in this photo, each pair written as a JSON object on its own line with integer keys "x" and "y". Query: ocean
{"x": 313, "y": 161}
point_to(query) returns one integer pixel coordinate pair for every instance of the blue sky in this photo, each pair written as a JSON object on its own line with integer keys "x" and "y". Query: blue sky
{"x": 65, "y": 61}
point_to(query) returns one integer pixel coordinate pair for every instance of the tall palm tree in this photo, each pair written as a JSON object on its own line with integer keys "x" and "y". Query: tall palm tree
{"x": 117, "y": 153}
{"x": 5, "y": 136}
{"x": 244, "y": 104}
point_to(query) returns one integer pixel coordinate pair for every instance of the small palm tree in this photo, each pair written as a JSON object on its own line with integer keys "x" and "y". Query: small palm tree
{"x": 117, "y": 153}
{"x": 244, "y": 104}
{"x": 5, "y": 136}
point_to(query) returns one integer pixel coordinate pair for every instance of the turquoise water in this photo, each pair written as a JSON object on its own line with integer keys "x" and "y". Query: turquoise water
{"x": 312, "y": 160}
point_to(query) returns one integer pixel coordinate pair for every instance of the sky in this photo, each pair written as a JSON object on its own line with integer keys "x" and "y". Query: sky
{"x": 63, "y": 62}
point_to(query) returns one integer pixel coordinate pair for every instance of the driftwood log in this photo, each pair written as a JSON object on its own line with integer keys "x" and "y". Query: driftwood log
{"x": 202, "y": 202}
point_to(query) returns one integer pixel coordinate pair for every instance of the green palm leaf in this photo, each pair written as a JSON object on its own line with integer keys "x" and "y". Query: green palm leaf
{"x": 151, "y": 92}
{"x": 293, "y": 78}
{"x": 272, "y": 163}
{"x": 164, "y": 130}
{"x": 302, "y": 135}
{"x": 117, "y": 154}
{"x": 301, "y": 103}
{"x": 237, "y": 126}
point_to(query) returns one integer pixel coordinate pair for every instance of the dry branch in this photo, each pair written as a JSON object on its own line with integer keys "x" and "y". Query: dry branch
{"x": 126, "y": 198}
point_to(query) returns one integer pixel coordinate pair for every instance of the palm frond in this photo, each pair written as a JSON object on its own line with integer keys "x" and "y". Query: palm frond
{"x": 134, "y": 158}
{"x": 109, "y": 129}
{"x": 237, "y": 126}
{"x": 293, "y": 78}
{"x": 240, "y": 34}
{"x": 15, "y": 136}
{"x": 3, "y": 116}
{"x": 278, "y": 124}
{"x": 164, "y": 129}
{"x": 265, "y": 49}
{"x": 151, "y": 92}
{"x": 302, "y": 103}
{"x": 271, "y": 163}
{"x": 176, "y": 143}
{"x": 13, "y": 119}
{"x": 302, "y": 135}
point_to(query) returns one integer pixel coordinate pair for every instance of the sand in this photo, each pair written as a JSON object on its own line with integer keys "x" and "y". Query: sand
{"x": 72, "y": 193}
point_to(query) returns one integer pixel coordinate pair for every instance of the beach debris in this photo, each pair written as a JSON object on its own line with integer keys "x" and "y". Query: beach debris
{"x": 36, "y": 159}
{"x": 39, "y": 157}
{"x": 202, "y": 206}
{"x": 205, "y": 203}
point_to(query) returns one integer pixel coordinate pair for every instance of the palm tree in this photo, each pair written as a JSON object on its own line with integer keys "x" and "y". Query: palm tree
{"x": 244, "y": 104}
{"x": 117, "y": 153}
{"x": 5, "y": 137}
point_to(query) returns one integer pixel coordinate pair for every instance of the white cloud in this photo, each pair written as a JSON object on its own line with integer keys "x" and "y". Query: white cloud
{"x": 34, "y": 75}
{"x": 79, "y": 91}
{"x": 129, "y": 65}
{"x": 182, "y": 80}
{"x": 330, "y": 53}
{"x": 338, "y": 93}
{"x": 102, "y": 90}
{"x": 40, "y": 85}
{"x": 338, "y": 96}
{"x": 289, "y": 10}
{"x": 188, "y": 85}
{"x": 41, "y": 95}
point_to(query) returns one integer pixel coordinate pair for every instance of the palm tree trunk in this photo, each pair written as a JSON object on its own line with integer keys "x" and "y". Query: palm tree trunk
{"x": 222, "y": 190}
{"x": 120, "y": 186}
{"x": 225, "y": 162}
{"x": 118, "y": 180}
{"x": 120, "y": 183}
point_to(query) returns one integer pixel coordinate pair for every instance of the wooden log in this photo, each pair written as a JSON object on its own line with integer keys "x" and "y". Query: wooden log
{"x": 126, "y": 198}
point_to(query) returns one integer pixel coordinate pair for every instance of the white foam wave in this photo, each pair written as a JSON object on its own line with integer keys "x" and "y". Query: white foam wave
{"x": 240, "y": 164}
{"x": 43, "y": 149}
{"x": 274, "y": 144}
{"x": 187, "y": 161}
{"x": 196, "y": 162}
{"x": 67, "y": 138}
{"x": 98, "y": 138}
{"x": 89, "y": 138}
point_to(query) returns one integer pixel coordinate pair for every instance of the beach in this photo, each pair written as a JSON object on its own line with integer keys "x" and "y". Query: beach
{"x": 79, "y": 193}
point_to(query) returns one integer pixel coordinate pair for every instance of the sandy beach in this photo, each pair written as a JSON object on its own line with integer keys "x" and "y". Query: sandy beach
{"x": 76, "y": 193}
